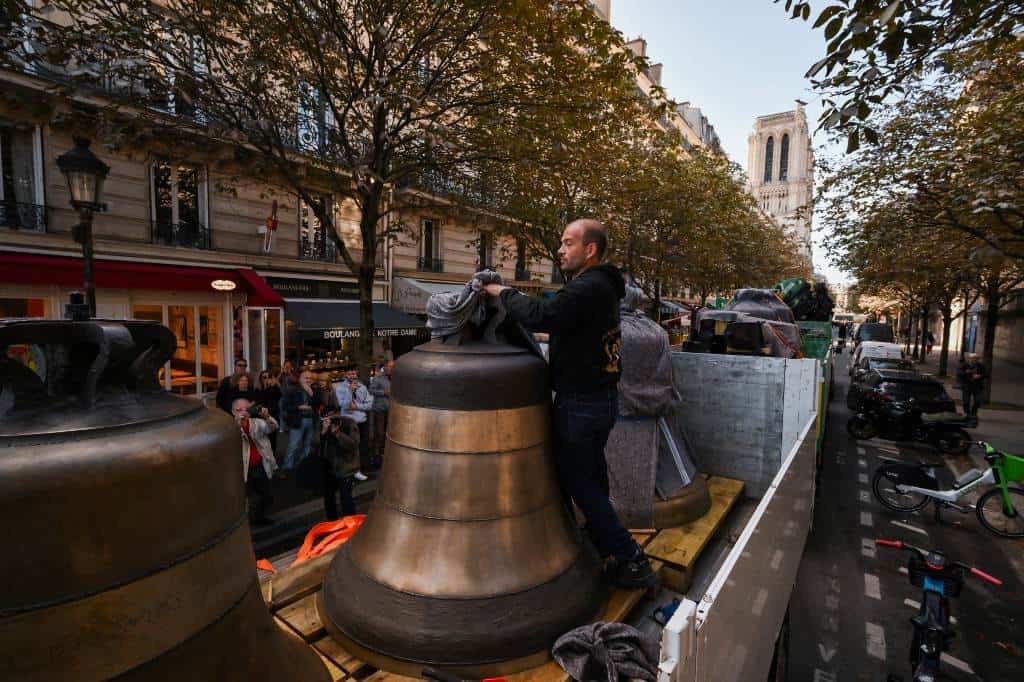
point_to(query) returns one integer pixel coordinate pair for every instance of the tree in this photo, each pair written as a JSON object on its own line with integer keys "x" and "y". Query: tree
{"x": 354, "y": 98}
{"x": 882, "y": 48}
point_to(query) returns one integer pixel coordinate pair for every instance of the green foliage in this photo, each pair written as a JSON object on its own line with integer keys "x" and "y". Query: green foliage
{"x": 876, "y": 49}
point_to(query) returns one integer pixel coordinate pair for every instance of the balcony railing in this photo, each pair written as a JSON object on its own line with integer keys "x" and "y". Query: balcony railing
{"x": 20, "y": 216}
{"x": 430, "y": 264}
{"x": 189, "y": 235}
{"x": 455, "y": 186}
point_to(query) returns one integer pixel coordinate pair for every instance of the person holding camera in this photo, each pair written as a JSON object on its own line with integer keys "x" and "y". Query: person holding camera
{"x": 258, "y": 463}
{"x": 339, "y": 448}
{"x": 355, "y": 401}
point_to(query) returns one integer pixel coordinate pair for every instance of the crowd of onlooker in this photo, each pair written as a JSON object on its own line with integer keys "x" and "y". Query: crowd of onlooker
{"x": 331, "y": 433}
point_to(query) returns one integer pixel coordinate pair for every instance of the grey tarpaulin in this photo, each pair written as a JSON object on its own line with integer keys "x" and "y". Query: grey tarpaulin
{"x": 645, "y": 387}
{"x": 449, "y": 312}
{"x": 607, "y": 651}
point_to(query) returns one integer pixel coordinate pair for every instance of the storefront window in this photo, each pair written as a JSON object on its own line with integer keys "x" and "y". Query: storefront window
{"x": 254, "y": 352}
{"x": 272, "y": 344}
{"x": 210, "y": 347}
{"x": 22, "y": 307}
{"x": 182, "y": 321}
{"x": 154, "y": 313}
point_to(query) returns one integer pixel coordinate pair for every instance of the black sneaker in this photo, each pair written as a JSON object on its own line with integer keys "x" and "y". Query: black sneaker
{"x": 632, "y": 574}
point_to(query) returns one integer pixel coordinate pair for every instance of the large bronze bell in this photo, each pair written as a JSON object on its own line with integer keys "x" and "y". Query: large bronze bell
{"x": 126, "y": 542}
{"x": 468, "y": 560}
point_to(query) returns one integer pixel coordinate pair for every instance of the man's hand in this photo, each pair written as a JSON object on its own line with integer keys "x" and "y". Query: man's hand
{"x": 494, "y": 289}
{"x": 264, "y": 412}
{"x": 352, "y": 406}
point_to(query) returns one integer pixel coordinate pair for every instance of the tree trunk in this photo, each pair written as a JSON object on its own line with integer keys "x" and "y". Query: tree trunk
{"x": 657, "y": 301}
{"x": 947, "y": 328}
{"x": 924, "y": 334}
{"x": 370, "y": 205}
{"x": 993, "y": 300}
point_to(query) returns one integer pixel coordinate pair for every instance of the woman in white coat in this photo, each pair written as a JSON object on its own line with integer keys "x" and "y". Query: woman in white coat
{"x": 258, "y": 463}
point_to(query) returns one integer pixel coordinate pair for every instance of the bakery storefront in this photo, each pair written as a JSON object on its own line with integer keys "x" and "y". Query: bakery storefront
{"x": 321, "y": 325}
{"x": 183, "y": 298}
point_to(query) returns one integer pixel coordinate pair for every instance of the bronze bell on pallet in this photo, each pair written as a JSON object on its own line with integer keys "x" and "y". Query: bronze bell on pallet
{"x": 468, "y": 560}
{"x": 127, "y": 548}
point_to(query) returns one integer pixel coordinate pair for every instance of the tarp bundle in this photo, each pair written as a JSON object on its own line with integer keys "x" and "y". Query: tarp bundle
{"x": 807, "y": 301}
{"x": 449, "y": 312}
{"x": 645, "y": 387}
{"x": 783, "y": 338}
{"x": 763, "y": 303}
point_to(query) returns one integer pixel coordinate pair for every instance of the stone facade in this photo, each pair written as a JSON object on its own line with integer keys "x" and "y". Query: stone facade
{"x": 780, "y": 170}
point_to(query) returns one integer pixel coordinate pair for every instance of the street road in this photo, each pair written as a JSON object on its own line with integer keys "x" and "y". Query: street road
{"x": 851, "y": 607}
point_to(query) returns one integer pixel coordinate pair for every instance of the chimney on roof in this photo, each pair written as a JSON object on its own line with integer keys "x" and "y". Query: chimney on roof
{"x": 637, "y": 46}
{"x": 654, "y": 73}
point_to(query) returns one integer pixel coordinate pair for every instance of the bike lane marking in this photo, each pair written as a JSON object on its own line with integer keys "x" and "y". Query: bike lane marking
{"x": 862, "y": 463}
{"x": 866, "y": 519}
{"x": 867, "y": 547}
{"x": 962, "y": 666}
{"x": 872, "y": 586}
{"x": 874, "y": 637}
{"x": 862, "y": 478}
{"x": 865, "y": 496}
{"x": 907, "y": 526}
{"x": 861, "y": 451}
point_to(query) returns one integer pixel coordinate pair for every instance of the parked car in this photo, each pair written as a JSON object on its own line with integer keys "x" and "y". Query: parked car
{"x": 873, "y": 331}
{"x": 874, "y": 349}
{"x": 905, "y": 406}
{"x": 863, "y": 370}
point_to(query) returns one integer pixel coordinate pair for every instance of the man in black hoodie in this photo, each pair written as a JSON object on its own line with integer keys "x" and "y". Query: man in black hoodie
{"x": 583, "y": 323}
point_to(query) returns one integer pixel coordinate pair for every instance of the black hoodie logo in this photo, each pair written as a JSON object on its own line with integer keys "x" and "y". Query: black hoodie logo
{"x": 612, "y": 343}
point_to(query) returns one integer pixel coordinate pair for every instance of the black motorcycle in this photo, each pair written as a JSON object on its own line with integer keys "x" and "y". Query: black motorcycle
{"x": 882, "y": 416}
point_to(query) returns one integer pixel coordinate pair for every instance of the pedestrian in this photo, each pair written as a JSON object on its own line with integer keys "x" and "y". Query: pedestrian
{"x": 268, "y": 394}
{"x": 228, "y": 384}
{"x": 929, "y": 339}
{"x": 355, "y": 401}
{"x": 380, "y": 388}
{"x": 339, "y": 450}
{"x": 326, "y": 400}
{"x": 583, "y": 322}
{"x": 243, "y": 389}
{"x": 258, "y": 462}
{"x": 972, "y": 375}
{"x": 297, "y": 409}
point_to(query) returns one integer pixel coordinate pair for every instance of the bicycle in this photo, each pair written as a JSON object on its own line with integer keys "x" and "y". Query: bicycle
{"x": 941, "y": 580}
{"x": 908, "y": 487}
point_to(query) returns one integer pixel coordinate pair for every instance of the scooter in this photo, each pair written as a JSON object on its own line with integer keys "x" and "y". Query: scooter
{"x": 903, "y": 421}
{"x": 941, "y": 579}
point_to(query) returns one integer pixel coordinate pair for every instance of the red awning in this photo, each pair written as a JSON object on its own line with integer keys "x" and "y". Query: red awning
{"x": 30, "y": 268}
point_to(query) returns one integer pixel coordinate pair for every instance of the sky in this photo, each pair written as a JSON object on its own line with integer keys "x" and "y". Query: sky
{"x": 736, "y": 60}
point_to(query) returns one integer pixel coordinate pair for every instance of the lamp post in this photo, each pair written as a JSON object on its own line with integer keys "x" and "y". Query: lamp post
{"x": 85, "y": 174}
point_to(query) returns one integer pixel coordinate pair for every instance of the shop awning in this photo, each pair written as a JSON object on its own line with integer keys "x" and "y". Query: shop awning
{"x": 31, "y": 268}
{"x": 411, "y": 295}
{"x": 340, "y": 319}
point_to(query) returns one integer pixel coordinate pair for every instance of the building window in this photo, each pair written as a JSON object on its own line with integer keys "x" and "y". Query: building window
{"x": 485, "y": 252}
{"x": 430, "y": 246}
{"x": 314, "y": 120}
{"x": 314, "y": 242}
{"x": 769, "y": 153}
{"x": 198, "y": 352}
{"x": 21, "y": 179}
{"x": 179, "y": 205}
{"x": 784, "y": 158}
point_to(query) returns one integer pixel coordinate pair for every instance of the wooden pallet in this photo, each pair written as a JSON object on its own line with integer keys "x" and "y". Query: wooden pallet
{"x": 678, "y": 548}
{"x": 290, "y": 594}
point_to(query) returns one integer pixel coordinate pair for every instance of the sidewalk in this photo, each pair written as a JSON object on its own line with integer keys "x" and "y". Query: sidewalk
{"x": 1001, "y": 422}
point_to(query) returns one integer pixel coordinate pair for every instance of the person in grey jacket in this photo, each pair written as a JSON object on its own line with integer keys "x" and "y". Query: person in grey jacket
{"x": 339, "y": 447}
{"x": 380, "y": 388}
{"x": 355, "y": 401}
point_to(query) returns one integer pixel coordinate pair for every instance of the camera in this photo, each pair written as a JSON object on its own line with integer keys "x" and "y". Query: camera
{"x": 254, "y": 411}
{"x": 335, "y": 419}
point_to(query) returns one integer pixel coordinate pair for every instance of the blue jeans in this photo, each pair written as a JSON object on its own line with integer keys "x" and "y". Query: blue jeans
{"x": 583, "y": 422}
{"x": 299, "y": 438}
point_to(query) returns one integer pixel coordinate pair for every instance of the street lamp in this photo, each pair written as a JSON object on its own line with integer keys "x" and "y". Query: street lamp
{"x": 85, "y": 174}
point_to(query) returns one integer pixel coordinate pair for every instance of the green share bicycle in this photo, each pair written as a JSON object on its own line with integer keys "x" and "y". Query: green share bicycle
{"x": 907, "y": 487}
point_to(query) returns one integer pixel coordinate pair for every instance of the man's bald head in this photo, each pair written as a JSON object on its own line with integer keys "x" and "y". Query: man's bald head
{"x": 584, "y": 244}
{"x": 592, "y": 232}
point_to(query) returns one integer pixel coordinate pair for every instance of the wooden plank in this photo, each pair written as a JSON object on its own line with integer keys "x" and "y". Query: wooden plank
{"x": 334, "y": 651}
{"x": 337, "y": 674}
{"x": 303, "y": 618}
{"x": 293, "y": 584}
{"x": 680, "y": 547}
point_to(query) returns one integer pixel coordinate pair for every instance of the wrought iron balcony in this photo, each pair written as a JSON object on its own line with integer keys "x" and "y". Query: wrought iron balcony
{"x": 318, "y": 248}
{"x": 458, "y": 187}
{"x": 430, "y": 264}
{"x": 20, "y": 216}
{"x": 189, "y": 235}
